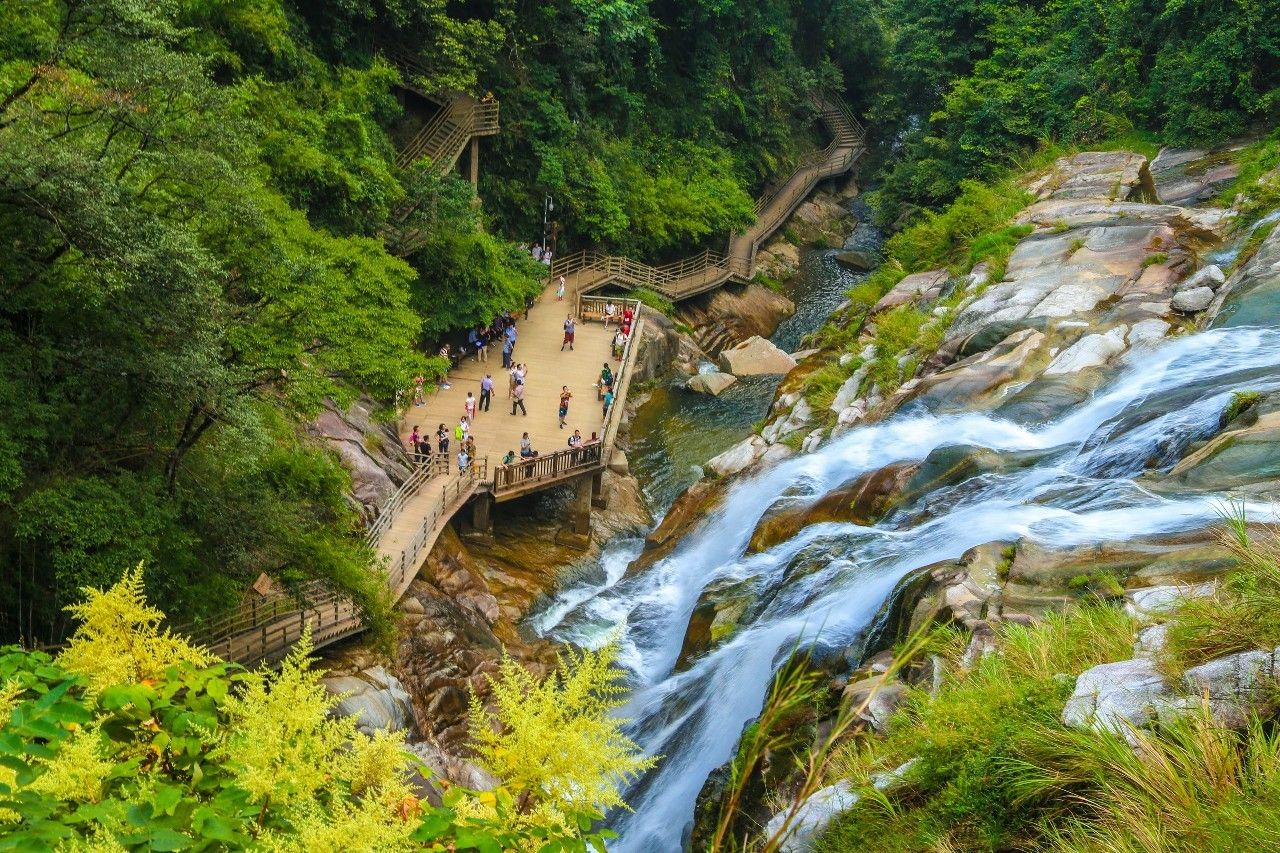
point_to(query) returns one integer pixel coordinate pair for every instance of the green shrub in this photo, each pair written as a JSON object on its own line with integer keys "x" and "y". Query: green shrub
{"x": 655, "y": 300}
{"x": 1153, "y": 259}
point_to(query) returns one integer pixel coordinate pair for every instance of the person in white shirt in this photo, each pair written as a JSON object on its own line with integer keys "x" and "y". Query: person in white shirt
{"x": 610, "y": 312}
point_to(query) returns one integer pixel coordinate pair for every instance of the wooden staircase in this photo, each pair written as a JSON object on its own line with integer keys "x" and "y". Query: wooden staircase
{"x": 587, "y": 271}
{"x": 460, "y": 118}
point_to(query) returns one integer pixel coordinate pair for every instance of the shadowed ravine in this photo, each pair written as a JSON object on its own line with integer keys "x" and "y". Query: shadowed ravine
{"x": 824, "y": 585}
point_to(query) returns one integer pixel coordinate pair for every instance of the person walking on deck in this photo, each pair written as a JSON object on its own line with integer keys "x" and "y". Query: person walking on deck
{"x": 419, "y": 396}
{"x": 517, "y": 399}
{"x": 565, "y": 396}
{"x": 486, "y": 392}
{"x": 469, "y": 408}
{"x": 442, "y": 442}
{"x": 608, "y": 402}
{"x": 569, "y": 328}
{"x": 560, "y": 290}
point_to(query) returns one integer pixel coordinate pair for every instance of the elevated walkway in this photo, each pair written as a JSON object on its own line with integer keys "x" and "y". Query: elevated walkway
{"x": 587, "y": 271}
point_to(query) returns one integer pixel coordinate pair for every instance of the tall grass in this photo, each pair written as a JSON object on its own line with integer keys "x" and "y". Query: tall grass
{"x": 1192, "y": 786}
{"x": 1243, "y": 614}
{"x": 973, "y": 739}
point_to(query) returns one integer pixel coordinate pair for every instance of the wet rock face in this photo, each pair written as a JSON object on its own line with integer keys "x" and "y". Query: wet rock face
{"x": 374, "y": 697}
{"x": 370, "y": 452}
{"x": 1187, "y": 176}
{"x": 1251, "y": 296}
{"x": 1245, "y": 457}
{"x": 732, "y": 314}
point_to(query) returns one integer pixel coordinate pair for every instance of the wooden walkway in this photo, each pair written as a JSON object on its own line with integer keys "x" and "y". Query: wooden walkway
{"x": 538, "y": 347}
{"x": 588, "y": 271}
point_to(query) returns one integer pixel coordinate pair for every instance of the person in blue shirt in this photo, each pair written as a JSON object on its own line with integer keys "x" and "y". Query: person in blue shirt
{"x": 486, "y": 392}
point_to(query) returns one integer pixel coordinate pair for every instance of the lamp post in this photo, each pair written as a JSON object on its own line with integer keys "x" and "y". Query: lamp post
{"x": 548, "y": 208}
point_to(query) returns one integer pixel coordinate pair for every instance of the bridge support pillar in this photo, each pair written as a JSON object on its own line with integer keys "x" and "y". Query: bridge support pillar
{"x": 482, "y": 512}
{"x": 599, "y": 497}
{"x": 577, "y": 534}
{"x": 475, "y": 161}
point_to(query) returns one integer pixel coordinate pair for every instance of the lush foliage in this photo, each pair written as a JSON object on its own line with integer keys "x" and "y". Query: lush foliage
{"x": 556, "y": 743}
{"x": 968, "y": 86}
{"x": 134, "y": 740}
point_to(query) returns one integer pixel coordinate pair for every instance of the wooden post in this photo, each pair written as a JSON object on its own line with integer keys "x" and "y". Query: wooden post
{"x": 475, "y": 162}
{"x": 482, "y": 511}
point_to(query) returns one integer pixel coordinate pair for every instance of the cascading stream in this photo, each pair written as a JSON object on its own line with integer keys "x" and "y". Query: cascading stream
{"x": 822, "y": 587}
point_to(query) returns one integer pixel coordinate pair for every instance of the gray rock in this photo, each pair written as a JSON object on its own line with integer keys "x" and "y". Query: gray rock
{"x": 375, "y": 698}
{"x": 755, "y": 356}
{"x": 855, "y": 260}
{"x": 1090, "y": 351}
{"x": 1146, "y": 332}
{"x": 776, "y": 453}
{"x": 812, "y": 817}
{"x": 1211, "y": 277}
{"x": 710, "y": 383}
{"x": 1150, "y": 601}
{"x": 737, "y": 458}
{"x": 811, "y": 441}
{"x": 1232, "y": 685}
{"x": 1117, "y": 696}
{"x": 1150, "y": 640}
{"x": 1192, "y": 301}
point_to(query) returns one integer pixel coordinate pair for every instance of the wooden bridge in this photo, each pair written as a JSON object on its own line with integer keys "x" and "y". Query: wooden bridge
{"x": 587, "y": 271}
{"x": 265, "y": 627}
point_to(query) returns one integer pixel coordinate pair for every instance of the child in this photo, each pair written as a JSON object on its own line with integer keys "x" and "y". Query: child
{"x": 565, "y": 396}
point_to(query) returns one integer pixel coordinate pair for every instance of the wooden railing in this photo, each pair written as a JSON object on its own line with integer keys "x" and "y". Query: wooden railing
{"x": 265, "y": 627}
{"x": 691, "y": 276}
{"x": 529, "y": 475}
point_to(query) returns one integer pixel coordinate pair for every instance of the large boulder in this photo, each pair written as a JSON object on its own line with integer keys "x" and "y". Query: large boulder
{"x": 375, "y": 698}
{"x": 917, "y": 287}
{"x": 755, "y": 356}
{"x": 1190, "y": 175}
{"x": 710, "y": 383}
{"x": 818, "y": 809}
{"x": 734, "y": 313}
{"x": 1118, "y": 697}
{"x": 856, "y": 260}
{"x": 1101, "y": 175}
{"x": 737, "y": 458}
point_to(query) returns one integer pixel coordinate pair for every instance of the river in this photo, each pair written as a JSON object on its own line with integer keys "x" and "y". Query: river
{"x": 1081, "y": 484}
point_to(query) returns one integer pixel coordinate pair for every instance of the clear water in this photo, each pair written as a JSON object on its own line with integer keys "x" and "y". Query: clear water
{"x": 677, "y": 430}
{"x": 822, "y": 587}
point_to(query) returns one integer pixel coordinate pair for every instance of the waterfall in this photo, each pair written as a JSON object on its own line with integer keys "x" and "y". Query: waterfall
{"x": 822, "y": 587}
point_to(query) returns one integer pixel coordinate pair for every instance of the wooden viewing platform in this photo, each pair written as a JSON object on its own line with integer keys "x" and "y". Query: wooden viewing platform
{"x": 264, "y": 628}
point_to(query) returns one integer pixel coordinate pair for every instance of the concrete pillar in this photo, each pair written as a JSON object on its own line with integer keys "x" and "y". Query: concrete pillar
{"x": 475, "y": 162}
{"x": 482, "y": 511}
{"x": 599, "y": 497}
{"x": 577, "y": 534}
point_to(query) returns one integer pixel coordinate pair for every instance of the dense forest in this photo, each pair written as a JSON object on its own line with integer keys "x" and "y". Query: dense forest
{"x": 203, "y": 223}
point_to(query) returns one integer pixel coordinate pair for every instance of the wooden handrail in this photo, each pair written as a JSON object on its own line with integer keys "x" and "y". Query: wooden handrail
{"x": 690, "y": 276}
{"x": 264, "y": 628}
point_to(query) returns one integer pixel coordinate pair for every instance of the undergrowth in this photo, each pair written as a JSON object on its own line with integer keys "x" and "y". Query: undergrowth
{"x": 973, "y": 740}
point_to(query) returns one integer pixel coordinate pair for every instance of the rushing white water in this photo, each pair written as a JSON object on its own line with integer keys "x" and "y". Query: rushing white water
{"x": 822, "y": 587}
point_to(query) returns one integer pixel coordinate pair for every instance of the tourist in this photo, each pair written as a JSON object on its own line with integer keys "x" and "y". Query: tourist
{"x": 464, "y": 462}
{"x": 415, "y": 439}
{"x": 569, "y": 328}
{"x": 470, "y": 447}
{"x": 517, "y": 399}
{"x": 482, "y": 344}
{"x": 511, "y": 382}
{"x": 486, "y": 392}
{"x": 575, "y": 440}
{"x": 509, "y": 330}
{"x": 473, "y": 343}
{"x": 608, "y": 401}
{"x": 507, "y": 346}
{"x": 595, "y": 439}
{"x": 442, "y": 442}
{"x": 546, "y": 257}
{"x": 610, "y": 311}
{"x": 522, "y": 372}
{"x": 461, "y": 430}
{"x": 469, "y": 408}
{"x": 537, "y": 253}
{"x": 560, "y": 290}
{"x": 509, "y": 458}
{"x": 606, "y": 377}
{"x": 526, "y": 447}
{"x": 419, "y": 396}
{"x": 619, "y": 344}
{"x": 448, "y": 362}
{"x": 565, "y": 396}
